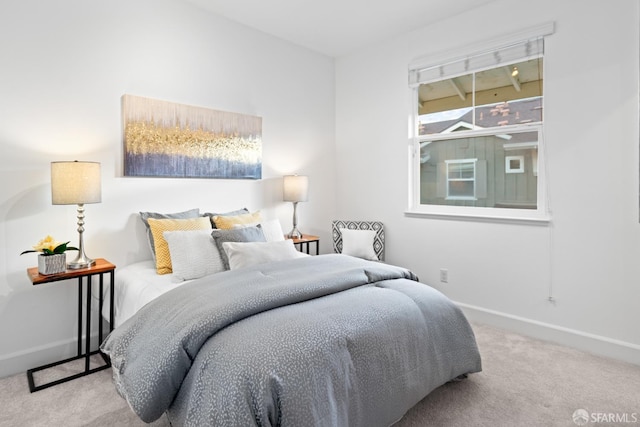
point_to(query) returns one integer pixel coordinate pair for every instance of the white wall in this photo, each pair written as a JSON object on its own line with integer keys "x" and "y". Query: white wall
{"x": 502, "y": 273}
{"x": 65, "y": 66}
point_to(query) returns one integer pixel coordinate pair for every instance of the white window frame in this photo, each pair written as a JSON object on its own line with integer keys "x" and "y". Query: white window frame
{"x": 540, "y": 215}
{"x": 508, "y": 167}
{"x": 449, "y": 179}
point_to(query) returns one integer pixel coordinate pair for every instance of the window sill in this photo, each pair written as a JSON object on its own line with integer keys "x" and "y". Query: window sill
{"x": 507, "y": 216}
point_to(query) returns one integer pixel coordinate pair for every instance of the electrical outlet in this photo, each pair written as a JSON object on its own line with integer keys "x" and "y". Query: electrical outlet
{"x": 444, "y": 275}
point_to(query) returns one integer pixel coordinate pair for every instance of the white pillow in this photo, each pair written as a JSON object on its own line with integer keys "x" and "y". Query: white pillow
{"x": 271, "y": 228}
{"x": 193, "y": 253}
{"x": 245, "y": 254}
{"x": 358, "y": 243}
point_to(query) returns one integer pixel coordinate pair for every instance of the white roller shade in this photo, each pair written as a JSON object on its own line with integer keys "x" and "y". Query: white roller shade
{"x": 517, "y": 48}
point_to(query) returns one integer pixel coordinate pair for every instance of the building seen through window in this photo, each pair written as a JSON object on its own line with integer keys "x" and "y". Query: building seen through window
{"x": 479, "y": 134}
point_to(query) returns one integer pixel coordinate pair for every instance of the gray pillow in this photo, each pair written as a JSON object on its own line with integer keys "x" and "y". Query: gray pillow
{"x": 245, "y": 234}
{"x": 232, "y": 213}
{"x": 191, "y": 213}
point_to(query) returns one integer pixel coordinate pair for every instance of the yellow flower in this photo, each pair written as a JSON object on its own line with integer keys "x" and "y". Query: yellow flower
{"x": 50, "y": 246}
{"x": 47, "y": 243}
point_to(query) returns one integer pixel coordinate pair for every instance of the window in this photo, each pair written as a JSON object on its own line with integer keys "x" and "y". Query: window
{"x": 461, "y": 179}
{"x": 514, "y": 164}
{"x": 476, "y": 143}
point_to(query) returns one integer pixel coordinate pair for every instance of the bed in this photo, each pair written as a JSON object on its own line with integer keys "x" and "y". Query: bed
{"x": 326, "y": 340}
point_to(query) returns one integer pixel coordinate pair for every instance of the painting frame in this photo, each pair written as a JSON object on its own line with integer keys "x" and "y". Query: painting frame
{"x": 172, "y": 140}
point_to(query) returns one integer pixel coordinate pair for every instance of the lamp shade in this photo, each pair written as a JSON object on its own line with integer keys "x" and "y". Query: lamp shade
{"x": 296, "y": 188}
{"x": 75, "y": 183}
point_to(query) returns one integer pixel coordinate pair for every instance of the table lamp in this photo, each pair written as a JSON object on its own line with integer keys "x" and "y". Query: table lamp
{"x": 76, "y": 183}
{"x": 296, "y": 189}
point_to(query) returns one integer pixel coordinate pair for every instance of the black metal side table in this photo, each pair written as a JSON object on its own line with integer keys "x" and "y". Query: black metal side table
{"x": 304, "y": 241}
{"x": 101, "y": 267}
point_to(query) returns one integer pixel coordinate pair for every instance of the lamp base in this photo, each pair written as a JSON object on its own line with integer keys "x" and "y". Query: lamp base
{"x": 82, "y": 261}
{"x": 295, "y": 234}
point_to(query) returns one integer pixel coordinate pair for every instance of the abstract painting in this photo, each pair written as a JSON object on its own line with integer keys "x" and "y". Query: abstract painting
{"x": 165, "y": 139}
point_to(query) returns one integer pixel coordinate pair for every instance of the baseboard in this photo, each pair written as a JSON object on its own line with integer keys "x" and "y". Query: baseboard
{"x": 19, "y": 362}
{"x": 591, "y": 343}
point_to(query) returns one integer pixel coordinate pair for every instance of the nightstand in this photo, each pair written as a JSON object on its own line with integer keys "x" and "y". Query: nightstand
{"x": 101, "y": 267}
{"x": 304, "y": 241}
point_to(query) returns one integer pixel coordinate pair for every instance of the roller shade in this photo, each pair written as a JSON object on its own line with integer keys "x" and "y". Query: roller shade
{"x": 521, "y": 47}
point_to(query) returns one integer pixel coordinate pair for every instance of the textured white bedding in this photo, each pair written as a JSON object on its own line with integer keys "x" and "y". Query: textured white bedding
{"x": 135, "y": 285}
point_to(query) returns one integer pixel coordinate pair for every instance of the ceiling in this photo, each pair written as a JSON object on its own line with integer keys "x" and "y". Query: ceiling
{"x": 337, "y": 27}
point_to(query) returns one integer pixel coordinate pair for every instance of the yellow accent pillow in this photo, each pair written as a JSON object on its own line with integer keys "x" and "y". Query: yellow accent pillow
{"x": 159, "y": 226}
{"x": 227, "y": 222}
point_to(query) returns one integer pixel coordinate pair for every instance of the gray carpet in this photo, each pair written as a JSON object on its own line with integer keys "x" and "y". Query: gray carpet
{"x": 525, "y": 382}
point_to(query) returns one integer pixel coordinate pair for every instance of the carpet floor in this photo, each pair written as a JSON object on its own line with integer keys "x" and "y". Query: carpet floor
{"x": 524, "y": 382}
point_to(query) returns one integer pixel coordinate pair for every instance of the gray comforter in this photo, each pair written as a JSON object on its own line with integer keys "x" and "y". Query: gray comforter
{"x": 328, "y": 340}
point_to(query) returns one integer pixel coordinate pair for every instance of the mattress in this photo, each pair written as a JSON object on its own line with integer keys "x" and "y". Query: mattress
{"x": 136, "y": 285}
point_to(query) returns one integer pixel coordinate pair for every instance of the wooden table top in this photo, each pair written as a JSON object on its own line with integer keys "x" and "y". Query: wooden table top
{"x": 305, "y": 238}
{"x": 101, "y": 266}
